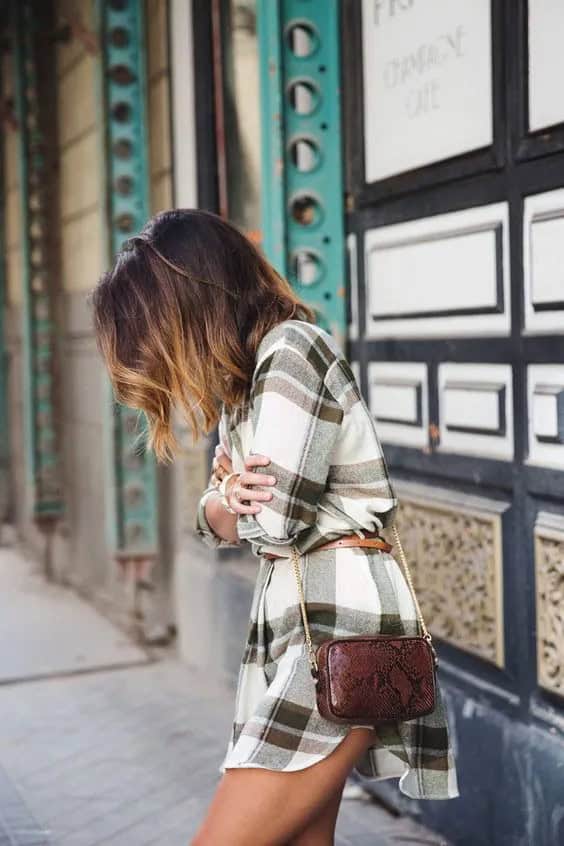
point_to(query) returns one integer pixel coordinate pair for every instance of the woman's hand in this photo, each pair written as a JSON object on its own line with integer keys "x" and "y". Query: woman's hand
{"x": 221, "y": 465}
{"x": 240, "y": 488}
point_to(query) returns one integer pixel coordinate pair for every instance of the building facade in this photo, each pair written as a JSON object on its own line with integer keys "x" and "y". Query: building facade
{"x": 402, "y": 162}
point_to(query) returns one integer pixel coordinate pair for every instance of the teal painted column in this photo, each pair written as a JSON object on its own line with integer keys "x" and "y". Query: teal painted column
{"x": 302, "y": 181}
{"x": 33, "y": 64}
{"x": 132, "y": 513}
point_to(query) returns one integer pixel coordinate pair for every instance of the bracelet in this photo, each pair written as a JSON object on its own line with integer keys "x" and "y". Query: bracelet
{"x": 222, "y": 488}
{"x": 223, "y": 500}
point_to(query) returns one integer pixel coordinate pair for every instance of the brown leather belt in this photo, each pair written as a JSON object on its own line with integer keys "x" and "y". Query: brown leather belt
{"x": 371, "y": 539}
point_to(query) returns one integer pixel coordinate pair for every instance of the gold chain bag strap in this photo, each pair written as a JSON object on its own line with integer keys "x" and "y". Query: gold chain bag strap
{"x": 368, "y": 679}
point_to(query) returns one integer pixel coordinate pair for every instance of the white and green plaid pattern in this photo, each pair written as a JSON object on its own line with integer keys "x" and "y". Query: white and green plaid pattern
{"x": 307, "y": 414}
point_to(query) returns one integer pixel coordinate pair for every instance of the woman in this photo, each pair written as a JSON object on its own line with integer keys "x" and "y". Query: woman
{"x": 193, "y": 317}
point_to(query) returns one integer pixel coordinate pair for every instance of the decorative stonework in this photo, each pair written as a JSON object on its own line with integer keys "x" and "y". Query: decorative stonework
{"x": 453, "y": 544}
{"x": 549, "y": 577}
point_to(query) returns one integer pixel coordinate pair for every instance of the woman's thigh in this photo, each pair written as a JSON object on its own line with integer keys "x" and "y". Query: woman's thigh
{"x": 321, "y": 830}
{"x": 268, "y": 808}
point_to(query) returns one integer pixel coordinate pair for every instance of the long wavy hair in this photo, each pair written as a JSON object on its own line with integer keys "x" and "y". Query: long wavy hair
{"x": 179, "y": 317}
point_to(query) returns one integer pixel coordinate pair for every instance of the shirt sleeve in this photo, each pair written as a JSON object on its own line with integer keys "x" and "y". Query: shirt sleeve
{"x": 295, "y": 422}
{"x": 202, "y": 527}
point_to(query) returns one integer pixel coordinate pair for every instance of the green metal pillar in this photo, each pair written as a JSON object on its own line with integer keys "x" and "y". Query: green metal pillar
{"x": 302, "y": 183}
{"x": 132, "y": 512}
{"x": 33, "y": 66}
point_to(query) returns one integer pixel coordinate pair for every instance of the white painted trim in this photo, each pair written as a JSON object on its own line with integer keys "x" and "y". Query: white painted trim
{"x": 355, "y": 367}
{"x": 550, "y": 524}
{"x": 183, "y": 112}
{"x": 436, "y": 231}
{"x": 352, "y": 253}
{"x": 394, "y": 373}
{"x": 449, "y": 498}
{"x": 477, "y": 444}
{"x": 541, "y": 453}
{"x": 546, "y": 206}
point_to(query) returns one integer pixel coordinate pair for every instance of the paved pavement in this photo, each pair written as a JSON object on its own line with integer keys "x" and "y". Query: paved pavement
{"x": 127, "y": 756}
{"x": 55, "y": 631}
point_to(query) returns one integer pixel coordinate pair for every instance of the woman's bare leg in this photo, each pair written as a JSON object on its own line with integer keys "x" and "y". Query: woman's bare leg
{"x": 268, "y": 808}
{"x": 321, "y": 830}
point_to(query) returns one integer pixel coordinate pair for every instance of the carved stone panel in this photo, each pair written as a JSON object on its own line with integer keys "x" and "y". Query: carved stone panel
{"x": 549, "y": 576}
{"x": 453, "y": 544}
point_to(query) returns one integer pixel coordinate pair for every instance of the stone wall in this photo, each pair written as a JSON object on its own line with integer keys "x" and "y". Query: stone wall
{"x": 78, "y": 552}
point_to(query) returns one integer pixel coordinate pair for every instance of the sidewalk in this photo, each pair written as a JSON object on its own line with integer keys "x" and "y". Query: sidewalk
{"x": 47, "y": 630}
{"x": 126, "y": 756}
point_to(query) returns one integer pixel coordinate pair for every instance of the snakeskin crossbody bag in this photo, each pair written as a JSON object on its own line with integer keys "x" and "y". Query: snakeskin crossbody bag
{"x": 367, "y": 679}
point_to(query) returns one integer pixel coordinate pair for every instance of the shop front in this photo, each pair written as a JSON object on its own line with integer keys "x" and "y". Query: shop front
{"x": 412, "y": 188}
{"x": 402, "y": 162}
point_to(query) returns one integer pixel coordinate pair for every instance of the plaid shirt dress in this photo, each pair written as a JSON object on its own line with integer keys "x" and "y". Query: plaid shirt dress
{"x": 305, "y": 412}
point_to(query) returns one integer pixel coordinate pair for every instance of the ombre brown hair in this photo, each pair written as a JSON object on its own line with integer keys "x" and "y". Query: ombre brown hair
{"x": 179, "y": 317}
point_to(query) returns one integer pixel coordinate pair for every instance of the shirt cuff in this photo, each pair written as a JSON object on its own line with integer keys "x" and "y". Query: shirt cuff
{"x": 203, "y": 528}
{"x": 248, "y": 528}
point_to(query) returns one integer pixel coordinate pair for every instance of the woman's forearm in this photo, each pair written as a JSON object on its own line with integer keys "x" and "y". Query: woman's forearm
{"x": 221, "y": 521}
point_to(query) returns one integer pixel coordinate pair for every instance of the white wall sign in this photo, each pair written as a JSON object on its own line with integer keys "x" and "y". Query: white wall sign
{"x": 546, "y": 63}
{"x": 427, "y": 82}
